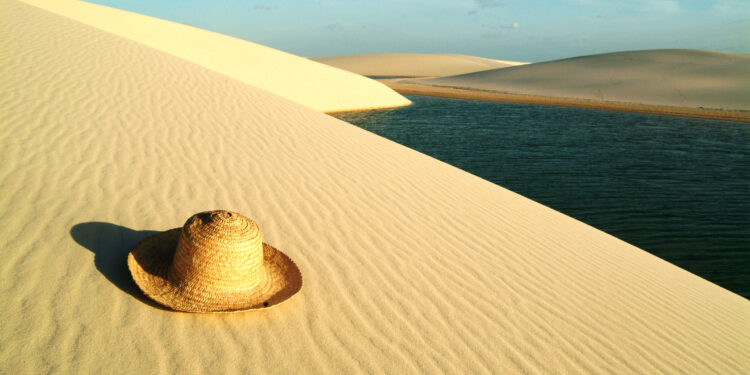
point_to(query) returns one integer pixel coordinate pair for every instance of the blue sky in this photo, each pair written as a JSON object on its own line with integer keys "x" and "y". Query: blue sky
{"x": 532, "y": 30}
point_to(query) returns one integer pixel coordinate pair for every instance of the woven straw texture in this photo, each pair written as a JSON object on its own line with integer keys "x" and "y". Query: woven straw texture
{"x": 217, "y": 262}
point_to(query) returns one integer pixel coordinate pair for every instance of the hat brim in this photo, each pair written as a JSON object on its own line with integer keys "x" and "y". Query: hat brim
{"x": 149, "y": 263}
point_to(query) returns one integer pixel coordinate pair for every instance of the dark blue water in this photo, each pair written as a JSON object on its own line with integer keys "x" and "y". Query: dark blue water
{"x": 678, "y": 188}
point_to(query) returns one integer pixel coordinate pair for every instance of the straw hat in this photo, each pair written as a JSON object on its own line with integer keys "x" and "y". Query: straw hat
{"x": 217, "y": 262}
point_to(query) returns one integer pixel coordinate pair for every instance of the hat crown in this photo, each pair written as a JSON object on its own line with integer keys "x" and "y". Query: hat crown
{"x": 220, "y": 250}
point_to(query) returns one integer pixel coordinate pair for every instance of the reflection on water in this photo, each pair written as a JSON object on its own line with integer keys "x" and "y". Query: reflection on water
{"x": 678, "y": 188}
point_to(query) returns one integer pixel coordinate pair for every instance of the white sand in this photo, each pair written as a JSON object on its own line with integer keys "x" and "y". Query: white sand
{"x": 680, "y": 78}
{"x": 410, "y": 265}
{"x": 303, "y": 81}
{"x": 413, "y": 64}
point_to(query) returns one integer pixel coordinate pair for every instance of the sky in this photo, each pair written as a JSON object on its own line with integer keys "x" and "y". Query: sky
{"x": 531, "y": 30}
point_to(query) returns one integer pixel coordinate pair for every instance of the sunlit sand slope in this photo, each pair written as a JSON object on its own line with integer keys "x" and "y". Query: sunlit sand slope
{"x": 680, "y": 78}
{"x": 296, "y": 78}
{"x": 413, "y": 64}
{"x": 409, "y": 265}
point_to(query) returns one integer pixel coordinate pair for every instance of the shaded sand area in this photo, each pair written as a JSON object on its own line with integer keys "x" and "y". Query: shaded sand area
{"x": 413, "y": 64}
{"x": 296, "y": 78}
{"x": 675, "y": 82}
{"x": 409, "y": 265}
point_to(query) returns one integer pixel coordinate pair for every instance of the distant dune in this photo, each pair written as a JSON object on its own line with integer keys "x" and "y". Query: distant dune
{"x": 296, "y": 78}
{"x": 410, "y": 266}
{"x": 413, "y": 64}
{"x": 680, "y": 78}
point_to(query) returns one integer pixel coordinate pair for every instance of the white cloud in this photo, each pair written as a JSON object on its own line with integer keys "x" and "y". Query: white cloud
{"x": 264, "y": 6}
{"x": 333, "y": 27}
{"x": 640, "y": 6}
{"x": 484, "y": 4}
{"x": 732, "y": 6}
{"x": 666, "y": 6}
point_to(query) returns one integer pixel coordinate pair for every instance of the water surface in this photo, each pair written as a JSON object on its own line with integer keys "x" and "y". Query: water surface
{"x": 678, "y": 188}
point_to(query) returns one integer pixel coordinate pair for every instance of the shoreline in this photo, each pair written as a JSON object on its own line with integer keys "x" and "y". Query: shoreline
{"x": 494, "y": 96}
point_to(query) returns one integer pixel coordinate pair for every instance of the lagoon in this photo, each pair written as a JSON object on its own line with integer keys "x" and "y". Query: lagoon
{"x": 676, "y": 187}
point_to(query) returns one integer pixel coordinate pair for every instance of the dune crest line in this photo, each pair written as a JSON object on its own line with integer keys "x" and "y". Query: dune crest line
{"x": 315, "y": 85}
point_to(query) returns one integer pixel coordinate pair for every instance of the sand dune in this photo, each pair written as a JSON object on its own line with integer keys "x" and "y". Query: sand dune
{"x": 680, "y": 78}
{"x": 413, "y": 64}
{"x": 295, "y": 78}
{"x": 410, "y": 265}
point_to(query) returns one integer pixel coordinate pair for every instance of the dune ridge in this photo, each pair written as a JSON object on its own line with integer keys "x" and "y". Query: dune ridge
{"x": 410, "y": 265}
{"x": 413, "y": 64}
{"x": 315, "y": 85}
{"x": 674, "y": 78}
